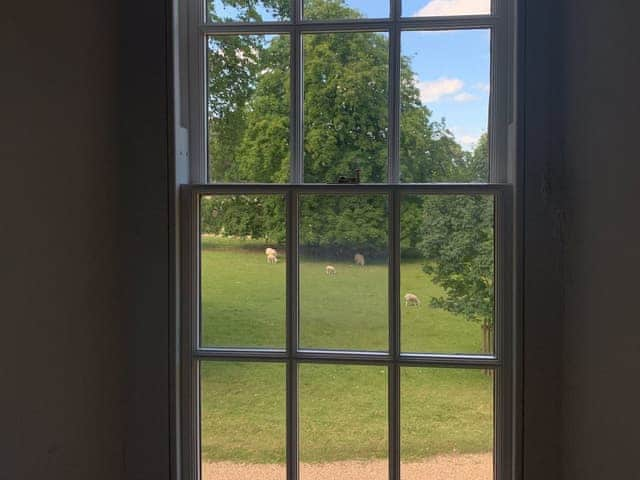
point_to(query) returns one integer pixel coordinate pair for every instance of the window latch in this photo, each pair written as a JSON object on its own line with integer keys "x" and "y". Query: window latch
{"x": 355, "y": 180}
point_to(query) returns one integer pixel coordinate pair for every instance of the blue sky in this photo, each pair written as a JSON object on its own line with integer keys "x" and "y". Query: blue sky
{"x": 452, "y": 73}
{"x": 452, "y": 67}
{"x": 380, "y": 8}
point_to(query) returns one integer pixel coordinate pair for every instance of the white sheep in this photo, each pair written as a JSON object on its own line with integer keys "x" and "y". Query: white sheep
{"x": 272, "y": 259}
{"x": 359, "y": 259}
{"x": 330, "y": 270}
{"x": 411, "y": 299}
{"x": 271, "y": 251}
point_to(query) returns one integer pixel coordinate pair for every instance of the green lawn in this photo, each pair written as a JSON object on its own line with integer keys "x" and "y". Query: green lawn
{"x": 342, "y": 409}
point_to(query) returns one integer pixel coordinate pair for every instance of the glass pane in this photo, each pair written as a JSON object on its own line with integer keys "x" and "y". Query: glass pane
{"x": 243, "y": 274}
{"x": 447, "y": 273}
{"x": 248, "y": 108}
{"x": 445, "y": 8}
{"x": 243, "y": 425}
{"x": 344, "y": 272}
{"x": 343, "y": 422}
{"x": 248, "y": 10}
{"x": 446, "y": 422}
{"x": 345, "y": 9}
{"x": 445, "y": 78}
{"x": 345, "y": 106}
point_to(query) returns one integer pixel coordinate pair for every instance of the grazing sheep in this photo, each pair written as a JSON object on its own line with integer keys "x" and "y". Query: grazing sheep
{"x": 271, "y": 251}
{"x": 359, "y": 259}
{"x": 411, "y": 299}
{"x": 330, "y": 270}
{"x": 272, "y": 259}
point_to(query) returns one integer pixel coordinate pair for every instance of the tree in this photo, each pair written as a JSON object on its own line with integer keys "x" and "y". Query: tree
{"x": 234, "y": 63}
{"x": 457, "y": 245}
{"x": 241, "y": 215}
{"x": 248, "y": 10}
{"x": 346, "y": 127}
{"x": 231, "y": 69}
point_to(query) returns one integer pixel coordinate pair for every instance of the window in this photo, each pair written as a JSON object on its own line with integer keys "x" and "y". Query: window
{"x": 347, "y": 241}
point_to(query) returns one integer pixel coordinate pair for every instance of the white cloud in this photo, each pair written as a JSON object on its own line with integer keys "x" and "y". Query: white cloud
{"x": 469, "y": 142}
{"x": 444, "y": 88}
{"x": 483, "y": 87}
{"x": 464, "y": 97}
{"x": 437, "y": 89}
{"x": 467, "y": 139}
{"x": 454, "y": 7}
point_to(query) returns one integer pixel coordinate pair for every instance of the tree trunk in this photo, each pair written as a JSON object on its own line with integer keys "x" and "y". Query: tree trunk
{"x": 486, "y": 342}
{"x": 485, "y": 337}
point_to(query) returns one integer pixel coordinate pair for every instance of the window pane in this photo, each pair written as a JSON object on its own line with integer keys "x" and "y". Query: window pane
{"x": 242, "y": 270}
{"x": 445, "y": 78}
{"x": 445, "y": 8}
{"x": 344, "y": 272}
{"x": 243, "y": 425}
{"x": 446, "y": 424}
{"x": 345, "y": 106}
{"x": 447, "y": 273}
{"x": 345, "y": 10}
{"x": 248, "y": 108}
{"x": 248, "y": 10}
{"x": 343, "y": 422}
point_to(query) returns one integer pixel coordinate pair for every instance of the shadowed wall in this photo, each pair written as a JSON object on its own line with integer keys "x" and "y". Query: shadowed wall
{"x": 62, "y": 350}
{"x": 601, "y": 347}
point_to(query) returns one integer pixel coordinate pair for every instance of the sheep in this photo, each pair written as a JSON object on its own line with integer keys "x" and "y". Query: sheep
{"x": 271, "y": 251}
{"x": 272, "y": 259}
{"x": 359, "y": 259}
{"x": 330, "y": 270}
{"x": 411, "y": 299}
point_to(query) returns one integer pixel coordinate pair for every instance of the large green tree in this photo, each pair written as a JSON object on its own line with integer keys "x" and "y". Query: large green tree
{"x": 345, "y": 128}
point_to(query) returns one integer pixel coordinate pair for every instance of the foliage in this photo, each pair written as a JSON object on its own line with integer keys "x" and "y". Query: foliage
{"x": 256, "y": 216}
{"x": 248, "y": 10}
{"x": 345, "y": 128}
{"x": 457, "y": 244}
{"x": 344, "y": 225}
{"x": 233, "y": 64}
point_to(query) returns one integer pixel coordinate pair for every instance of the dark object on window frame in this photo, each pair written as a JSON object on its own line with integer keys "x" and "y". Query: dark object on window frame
{"x": 355, "y": 180}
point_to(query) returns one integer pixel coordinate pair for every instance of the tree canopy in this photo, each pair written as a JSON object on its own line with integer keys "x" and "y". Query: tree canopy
{"x": 345, "y": 128}
{"x": 457, "y": 243}
{"x": 345, "y": 118}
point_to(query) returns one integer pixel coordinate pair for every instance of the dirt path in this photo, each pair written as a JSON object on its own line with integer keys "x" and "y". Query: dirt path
{"x": 441, "y": 467}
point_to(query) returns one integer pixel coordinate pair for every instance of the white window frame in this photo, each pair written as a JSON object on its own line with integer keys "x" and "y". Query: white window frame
{"x": 502, "y": 185}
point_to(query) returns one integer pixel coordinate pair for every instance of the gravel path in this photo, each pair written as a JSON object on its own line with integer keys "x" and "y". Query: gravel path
{"x": 441, "y": 467}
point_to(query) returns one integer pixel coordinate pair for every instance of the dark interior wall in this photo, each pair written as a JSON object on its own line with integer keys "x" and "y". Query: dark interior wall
{"x": 84, "y": 126}
{"x": 543, "y": 232}
{"x": 62, "y": 368}
{"x": 601, "y": 382}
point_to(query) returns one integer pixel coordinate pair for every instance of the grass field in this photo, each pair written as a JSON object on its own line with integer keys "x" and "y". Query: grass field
{"x": 343, "y": 409}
